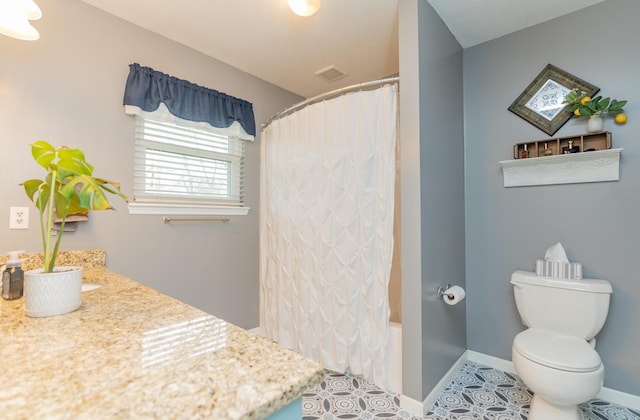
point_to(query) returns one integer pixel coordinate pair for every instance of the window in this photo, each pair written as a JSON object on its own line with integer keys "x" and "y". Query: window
{"x": 182, "y": 163}
{"x": 189, "y": 145}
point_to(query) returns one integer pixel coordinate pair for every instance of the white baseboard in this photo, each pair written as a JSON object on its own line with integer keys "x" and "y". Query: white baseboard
{"x": 415, "y": 407}
{"x": 443, "y": 382}
{"x": 420, "y": 409}
{"x": 606, "y": 394}
{"x": 620, "y": 398}
{"x": 491, "y": 361}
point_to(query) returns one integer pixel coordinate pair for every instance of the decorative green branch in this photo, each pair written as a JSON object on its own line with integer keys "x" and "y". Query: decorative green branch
{"x": 582, "y": 105}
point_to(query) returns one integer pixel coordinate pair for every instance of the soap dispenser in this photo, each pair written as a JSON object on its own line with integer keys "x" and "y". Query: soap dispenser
{"x": 13, "y": 277}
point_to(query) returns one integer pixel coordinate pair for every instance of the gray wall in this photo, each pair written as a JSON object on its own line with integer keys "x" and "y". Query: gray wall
{"x": 508, "y": 228}
{"x": 67, "y": 88}
{"x": 432, "y": 176}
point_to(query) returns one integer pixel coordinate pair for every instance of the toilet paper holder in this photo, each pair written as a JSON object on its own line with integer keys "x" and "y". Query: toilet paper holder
{"x": 441, "y": 290}
{"x": 451, "y": 295}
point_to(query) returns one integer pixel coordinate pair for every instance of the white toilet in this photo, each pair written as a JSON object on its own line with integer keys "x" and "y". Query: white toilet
{"x": 555, "y": 357}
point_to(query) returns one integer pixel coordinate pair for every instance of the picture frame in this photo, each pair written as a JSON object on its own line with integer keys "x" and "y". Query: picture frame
{"x": 540, "y": 103}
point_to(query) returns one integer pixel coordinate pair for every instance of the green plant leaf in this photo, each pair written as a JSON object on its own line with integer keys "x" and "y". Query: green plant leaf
{"x": 604, "y": 103}
{"x": 89, "y": 191}
{"x": 37, "y": 191}
{"x": 596, "y": 106}
{"x": 72, "y": 160}
{"x": 43, "y": 153}
{"x": 62, "y": 205}
{"x": 616, "y": 106}
{"x": 572, "y": 108}
{"x": 586, "y": 110}
{"x": 572, "y": 97}
{"x": 31, "y": 187}
{"x": 43, "y": 196}
{"x": 615, "y": 109}
{"x": 105, "y": 185}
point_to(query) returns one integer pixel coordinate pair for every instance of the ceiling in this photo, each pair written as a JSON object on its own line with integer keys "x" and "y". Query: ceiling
{"x": 358, "y": 37}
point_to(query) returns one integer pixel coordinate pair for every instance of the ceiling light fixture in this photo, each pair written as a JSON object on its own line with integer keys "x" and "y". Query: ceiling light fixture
{"x": 304, "y": 7}
{"x": 15, "y": 16}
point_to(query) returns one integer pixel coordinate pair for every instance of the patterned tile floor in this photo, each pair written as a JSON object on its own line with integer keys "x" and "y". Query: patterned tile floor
{"x": 477, "y": 392}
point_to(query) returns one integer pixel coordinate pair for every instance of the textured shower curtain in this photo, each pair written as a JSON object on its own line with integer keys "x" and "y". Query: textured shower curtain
{"x": 326, "y": 230}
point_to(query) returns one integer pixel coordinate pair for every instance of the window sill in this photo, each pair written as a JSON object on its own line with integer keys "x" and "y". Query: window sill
{"x": 186, "y": 210}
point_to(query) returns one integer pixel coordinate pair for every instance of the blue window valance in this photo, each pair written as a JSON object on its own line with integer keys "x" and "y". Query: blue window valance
{"x": 147, "y": 88}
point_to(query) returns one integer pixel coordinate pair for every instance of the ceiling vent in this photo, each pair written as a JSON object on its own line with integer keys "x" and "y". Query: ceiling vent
{"x": 330, "y": 73}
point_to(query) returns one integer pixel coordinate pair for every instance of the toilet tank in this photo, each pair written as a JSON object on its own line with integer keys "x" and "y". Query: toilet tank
{"x": 574, "y": 307}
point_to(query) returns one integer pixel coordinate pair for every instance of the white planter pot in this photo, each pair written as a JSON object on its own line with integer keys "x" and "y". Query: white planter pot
{"x": 50, "y": 294}
{"x": 594, "y": 124}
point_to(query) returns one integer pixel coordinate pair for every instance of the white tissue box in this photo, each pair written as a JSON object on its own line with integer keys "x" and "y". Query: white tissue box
{"x": 559, "y": 269}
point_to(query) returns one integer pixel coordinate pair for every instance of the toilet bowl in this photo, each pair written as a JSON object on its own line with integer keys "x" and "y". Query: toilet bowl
{"x": 561, "y": 370}
{"x": 553, "y": 356}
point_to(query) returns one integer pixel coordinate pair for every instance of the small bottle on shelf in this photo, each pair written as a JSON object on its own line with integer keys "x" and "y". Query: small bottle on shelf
{"x": 524, "y": 154}
{"x": 571, "y": 148}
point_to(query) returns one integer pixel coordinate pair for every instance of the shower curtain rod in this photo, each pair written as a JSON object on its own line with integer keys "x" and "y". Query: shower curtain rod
{"x": 325, "y": 95}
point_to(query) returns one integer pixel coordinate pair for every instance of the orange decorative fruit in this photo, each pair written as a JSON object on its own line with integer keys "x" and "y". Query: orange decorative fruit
{"x": 585, "y": 100}
{"x": 576, "y": 112}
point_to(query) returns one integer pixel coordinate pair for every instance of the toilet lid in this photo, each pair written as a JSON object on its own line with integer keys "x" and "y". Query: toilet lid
{"x": 558, "y": 351}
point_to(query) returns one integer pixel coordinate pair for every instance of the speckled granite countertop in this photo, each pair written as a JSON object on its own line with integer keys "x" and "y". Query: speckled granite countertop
{"x": 132, "y": 352}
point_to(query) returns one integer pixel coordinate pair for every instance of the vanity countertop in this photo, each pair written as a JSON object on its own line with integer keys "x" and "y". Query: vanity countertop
{"x": 132, "y": 352}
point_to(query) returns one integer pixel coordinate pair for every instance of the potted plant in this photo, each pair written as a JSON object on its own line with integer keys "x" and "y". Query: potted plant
{"x": 582, "y": 105}
{"x": 69, "y": 188}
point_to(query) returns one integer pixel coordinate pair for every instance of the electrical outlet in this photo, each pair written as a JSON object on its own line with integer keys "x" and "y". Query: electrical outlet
{"x": 19, "y": 218}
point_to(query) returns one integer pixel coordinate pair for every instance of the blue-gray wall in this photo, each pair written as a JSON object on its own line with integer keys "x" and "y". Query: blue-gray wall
{"x": 508, "y": 228}
{"x": 67, "y": 88}
{"x": 432, "y": 196}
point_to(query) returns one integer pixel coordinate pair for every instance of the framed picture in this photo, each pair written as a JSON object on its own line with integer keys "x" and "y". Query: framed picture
{"x": 541, "y": 102}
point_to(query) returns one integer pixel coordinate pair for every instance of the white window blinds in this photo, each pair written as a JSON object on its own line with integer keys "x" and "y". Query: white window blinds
{"x": 186, "y": 163}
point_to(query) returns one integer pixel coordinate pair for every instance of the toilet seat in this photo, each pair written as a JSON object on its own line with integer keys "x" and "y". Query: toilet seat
{"x": 557, "y": 351}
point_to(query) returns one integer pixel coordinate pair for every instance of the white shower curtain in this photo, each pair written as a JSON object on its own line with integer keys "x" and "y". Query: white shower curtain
{"x": 326, "y": 230}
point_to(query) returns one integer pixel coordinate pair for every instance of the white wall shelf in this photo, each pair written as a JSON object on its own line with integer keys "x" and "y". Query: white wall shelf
{"x": 596, "y": 166}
